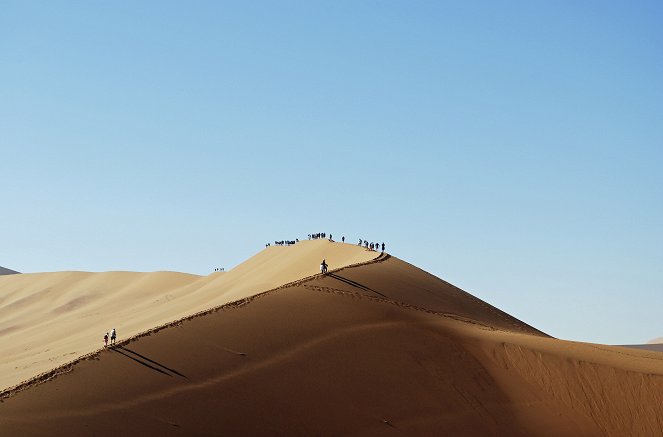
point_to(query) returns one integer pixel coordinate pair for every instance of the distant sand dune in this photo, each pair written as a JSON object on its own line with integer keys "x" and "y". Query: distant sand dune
{"x": 376, "y": 348}
{"x": 5, "y": 271}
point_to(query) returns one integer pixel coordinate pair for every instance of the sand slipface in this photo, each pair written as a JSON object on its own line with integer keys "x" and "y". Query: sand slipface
{"x": 48, "y": 319}
{"x": 379, "y": 348}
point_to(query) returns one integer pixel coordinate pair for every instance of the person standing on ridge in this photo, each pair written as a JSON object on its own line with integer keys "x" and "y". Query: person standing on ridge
{"x": 113, "y": 336}
{"x": 343, "y": 239}
{"x": 106, "y": 340}
{"x": 323, "y": 267}
{"x": 382, "y": 247}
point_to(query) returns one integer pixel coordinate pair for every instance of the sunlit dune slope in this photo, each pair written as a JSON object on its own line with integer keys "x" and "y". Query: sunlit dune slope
{"x": 47, "y": 319}
{"x": 377, "y": 349}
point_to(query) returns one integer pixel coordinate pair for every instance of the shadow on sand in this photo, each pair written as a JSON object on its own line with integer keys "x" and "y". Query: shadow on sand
{"x": 147, "y": 362}
{"x": 354, "y": 283}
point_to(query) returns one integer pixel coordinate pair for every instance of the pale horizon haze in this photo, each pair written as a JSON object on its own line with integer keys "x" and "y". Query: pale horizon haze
{"x": 513, "y": 148}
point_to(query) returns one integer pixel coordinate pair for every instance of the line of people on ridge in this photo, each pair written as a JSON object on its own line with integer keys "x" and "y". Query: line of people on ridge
{"x": 371, "y": 246}
{"x": 368, "y": 245}
{"x": 285, "y": 242}
{"x": 319, "y": 235}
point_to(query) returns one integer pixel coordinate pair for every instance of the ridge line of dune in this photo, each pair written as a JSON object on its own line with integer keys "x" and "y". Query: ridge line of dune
{"x": 67, "y": 367}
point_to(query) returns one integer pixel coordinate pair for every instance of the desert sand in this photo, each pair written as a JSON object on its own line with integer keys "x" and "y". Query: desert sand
{"x": 375, "y": 347}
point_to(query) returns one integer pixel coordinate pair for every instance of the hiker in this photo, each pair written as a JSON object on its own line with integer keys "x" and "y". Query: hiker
{"x": 106, "y": 340}
{"x": 323, "y": 267}
{"x": 382, "y": 247}
{"x": 113, "y": 336}
{"x": 343, "y": 239}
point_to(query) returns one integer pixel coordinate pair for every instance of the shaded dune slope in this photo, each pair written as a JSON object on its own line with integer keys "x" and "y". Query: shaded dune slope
{"x": 377, "y": 349}
{"x": 401, "y": 282}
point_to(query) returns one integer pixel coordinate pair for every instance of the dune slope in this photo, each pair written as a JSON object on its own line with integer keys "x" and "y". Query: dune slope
{"x": 377, "y": 349}
{"x": 49, "y": 319}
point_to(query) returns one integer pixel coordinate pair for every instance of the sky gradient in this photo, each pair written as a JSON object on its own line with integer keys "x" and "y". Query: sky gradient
{"x": 514, "y": 149}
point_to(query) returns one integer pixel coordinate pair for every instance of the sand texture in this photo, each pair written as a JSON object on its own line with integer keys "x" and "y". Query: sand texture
{"x": 377, "y": 348}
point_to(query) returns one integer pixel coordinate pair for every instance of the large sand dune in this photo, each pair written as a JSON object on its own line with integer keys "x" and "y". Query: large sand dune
{"x": 48, "y": 319}
{"x": 380, "y": 348}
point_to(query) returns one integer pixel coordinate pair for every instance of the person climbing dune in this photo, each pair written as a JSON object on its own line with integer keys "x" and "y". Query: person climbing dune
{"x": 106, "y": 340}
{"x": 113, "y": 336}
{"x": 323, "y": 267}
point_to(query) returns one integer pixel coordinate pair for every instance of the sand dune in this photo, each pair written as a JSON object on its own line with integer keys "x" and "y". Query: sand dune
{"x": 658, "y": 347}
{"x": 6, "y": 271}
{"x": 48, "y": 319}
{"x": 380, "y": 348}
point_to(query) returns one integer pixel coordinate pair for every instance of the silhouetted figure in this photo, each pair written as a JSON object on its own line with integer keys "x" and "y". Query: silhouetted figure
{"x": 360, "y": 241}
{"x": 330, "y": 237}
{"x": 382, "y": 247}
{"x": 323, "y": 267}
{"x": 343, "y": 239}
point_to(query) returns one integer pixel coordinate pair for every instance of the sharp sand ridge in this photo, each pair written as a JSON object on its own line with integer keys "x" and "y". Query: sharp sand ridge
{"x": 50, "y": 319}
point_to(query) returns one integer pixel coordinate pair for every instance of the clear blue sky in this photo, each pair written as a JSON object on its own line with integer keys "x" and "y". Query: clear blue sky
{"x": 514, "y": 149}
